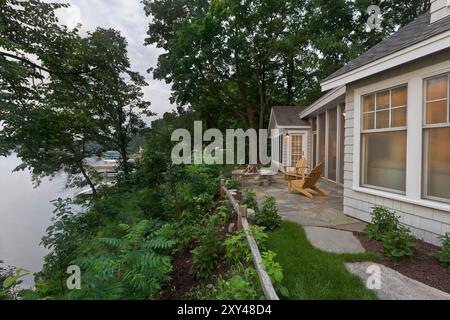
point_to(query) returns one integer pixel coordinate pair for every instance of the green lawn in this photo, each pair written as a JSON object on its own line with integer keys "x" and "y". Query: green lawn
{"x": 311, "y": 274}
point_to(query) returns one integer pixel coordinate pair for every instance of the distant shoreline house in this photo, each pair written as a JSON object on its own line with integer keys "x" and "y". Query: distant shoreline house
{"x": 383, "y": 128}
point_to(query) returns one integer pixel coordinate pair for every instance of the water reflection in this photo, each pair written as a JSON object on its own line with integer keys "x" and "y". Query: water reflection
{"x": 25, "y": 213}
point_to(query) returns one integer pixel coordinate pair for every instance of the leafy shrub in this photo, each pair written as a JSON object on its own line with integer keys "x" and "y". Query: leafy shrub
{"x": 443, "y": 254}
{"x": 237, "y": 249}
{"x": 205, "y": 256}
{"x": 222, "y": 216}
{"x": 267, "y": 216}
{"x": 232, "y": 184}
{"x": 241, "y": 286}
{"x": 10, "y": 280}
{"x": 275, "y": 272}
{"x": 399, "y": 243}
{"x": 383, "y": 221}
{"x": 249, "y": 199}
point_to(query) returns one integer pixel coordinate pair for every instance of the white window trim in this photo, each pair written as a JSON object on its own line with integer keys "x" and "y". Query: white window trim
{"x": 415, "y": 115}
{"x": 426, "y": 128}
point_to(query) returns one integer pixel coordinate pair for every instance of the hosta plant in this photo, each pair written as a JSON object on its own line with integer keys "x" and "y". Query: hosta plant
{"x": 383, "y": 221}
{"x": 443, "y": 254}
{"x": 399, "y": 243}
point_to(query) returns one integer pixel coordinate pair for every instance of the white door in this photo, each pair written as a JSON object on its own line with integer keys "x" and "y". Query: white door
{"x": 297, "y": 149}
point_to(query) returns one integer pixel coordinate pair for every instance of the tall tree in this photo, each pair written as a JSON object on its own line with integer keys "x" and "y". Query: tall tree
{"x": 238, "y": 58}
{"x": 65, "y": 98}
{"x": 227, "y": 53}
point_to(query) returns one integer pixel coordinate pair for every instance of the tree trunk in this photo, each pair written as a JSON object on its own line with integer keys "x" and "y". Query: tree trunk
{"x": 88, "y": 180}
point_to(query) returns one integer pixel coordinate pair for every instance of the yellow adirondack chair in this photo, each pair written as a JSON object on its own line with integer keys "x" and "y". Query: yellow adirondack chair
{"x": 299, "y": 170}
{"x": 309, "y": 182}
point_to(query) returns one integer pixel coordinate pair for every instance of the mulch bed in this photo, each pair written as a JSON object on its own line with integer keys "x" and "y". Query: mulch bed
{"x": 421, "y": 267}
{"x": 183, "y": 280}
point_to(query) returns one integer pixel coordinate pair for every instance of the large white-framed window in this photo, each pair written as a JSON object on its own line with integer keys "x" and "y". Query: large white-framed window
{"x": 417, "y": 150}
{"x": 384, "y": 139}
{"x": 436, "y": 138}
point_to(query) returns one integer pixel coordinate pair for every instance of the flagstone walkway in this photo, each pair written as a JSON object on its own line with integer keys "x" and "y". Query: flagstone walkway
{"x": 318, "y": 212}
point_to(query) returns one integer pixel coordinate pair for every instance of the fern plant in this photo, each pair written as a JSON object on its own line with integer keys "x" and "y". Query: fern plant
{"x": 135, "y": 266}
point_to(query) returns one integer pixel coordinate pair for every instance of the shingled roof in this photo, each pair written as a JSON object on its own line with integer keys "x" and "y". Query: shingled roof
{"x": 413, "y": 33}
{"x": 289, "y": 116}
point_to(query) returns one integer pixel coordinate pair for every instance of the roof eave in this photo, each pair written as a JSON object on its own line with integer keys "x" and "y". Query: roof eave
{"x": 414, "y": 52}
{"x": 331, "y": 96}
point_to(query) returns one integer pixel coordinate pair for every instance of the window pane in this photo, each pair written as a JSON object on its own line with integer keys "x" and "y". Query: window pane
{"x": 398, "y": 117}
{"x": 399, "y": 97}
{"x": 382, "y": 119}
{"x": 383, "y": 100}
{"x": 437, "y": 112}
{"x": 296, "y": 149}
{"x": 439, "y": 163}
{"x": 385, "y": 160}
{"x": 437, "y": 88}
{"x": 332, "y": 144}
{"x": 369, "y": 120}
{"x": 369, "y": 103}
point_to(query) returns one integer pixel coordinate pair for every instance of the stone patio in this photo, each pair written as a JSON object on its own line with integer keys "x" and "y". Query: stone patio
{"x": 318, "y": 212}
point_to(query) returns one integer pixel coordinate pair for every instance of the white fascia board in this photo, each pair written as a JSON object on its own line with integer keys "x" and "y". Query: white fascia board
{"x": 294, "y": 127}
{"x": 272, "y": 117}
{"x": 329, "y": 97}
{"x": 414, "y": 52}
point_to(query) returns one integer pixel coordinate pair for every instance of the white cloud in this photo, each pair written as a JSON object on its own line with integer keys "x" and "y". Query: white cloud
{"x": 129, "y": 18}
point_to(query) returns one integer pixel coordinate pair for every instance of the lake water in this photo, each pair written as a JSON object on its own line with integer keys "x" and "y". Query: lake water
{"x": 25, "y": 213}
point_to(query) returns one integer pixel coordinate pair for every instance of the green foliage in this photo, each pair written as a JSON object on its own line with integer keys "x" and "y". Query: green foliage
{"x": 275, "y": 272}
{"x": 383, "y": 222}
{"x": 249, "y": 199}
{"x": 267, "y": 216}
{"x": 237, "y": 249}
{"x": 312, "y": 274}
{"x": 206, "y": 255}
{"x": 232, "y": 184}
{"x": 443, "y": 254}
{"x": 243, "y": 285}
{"x": 275, "y": 53}
{"x": 399, "y": 243}
{"x": 76, "y": 98}
{"x": 10, "y": 281}
{"x": 134, "y": 266}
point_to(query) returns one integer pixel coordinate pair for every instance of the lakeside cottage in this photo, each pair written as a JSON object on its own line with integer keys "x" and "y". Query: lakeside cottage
{"x": 383, "y": 127}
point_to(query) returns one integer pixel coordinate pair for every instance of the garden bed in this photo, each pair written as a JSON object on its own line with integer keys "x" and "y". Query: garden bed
{"x": 421, "y": 267}
{"x": 184, "y": 280}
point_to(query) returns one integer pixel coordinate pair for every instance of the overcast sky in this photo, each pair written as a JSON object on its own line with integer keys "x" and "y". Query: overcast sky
{"x": 129, "y": 18}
